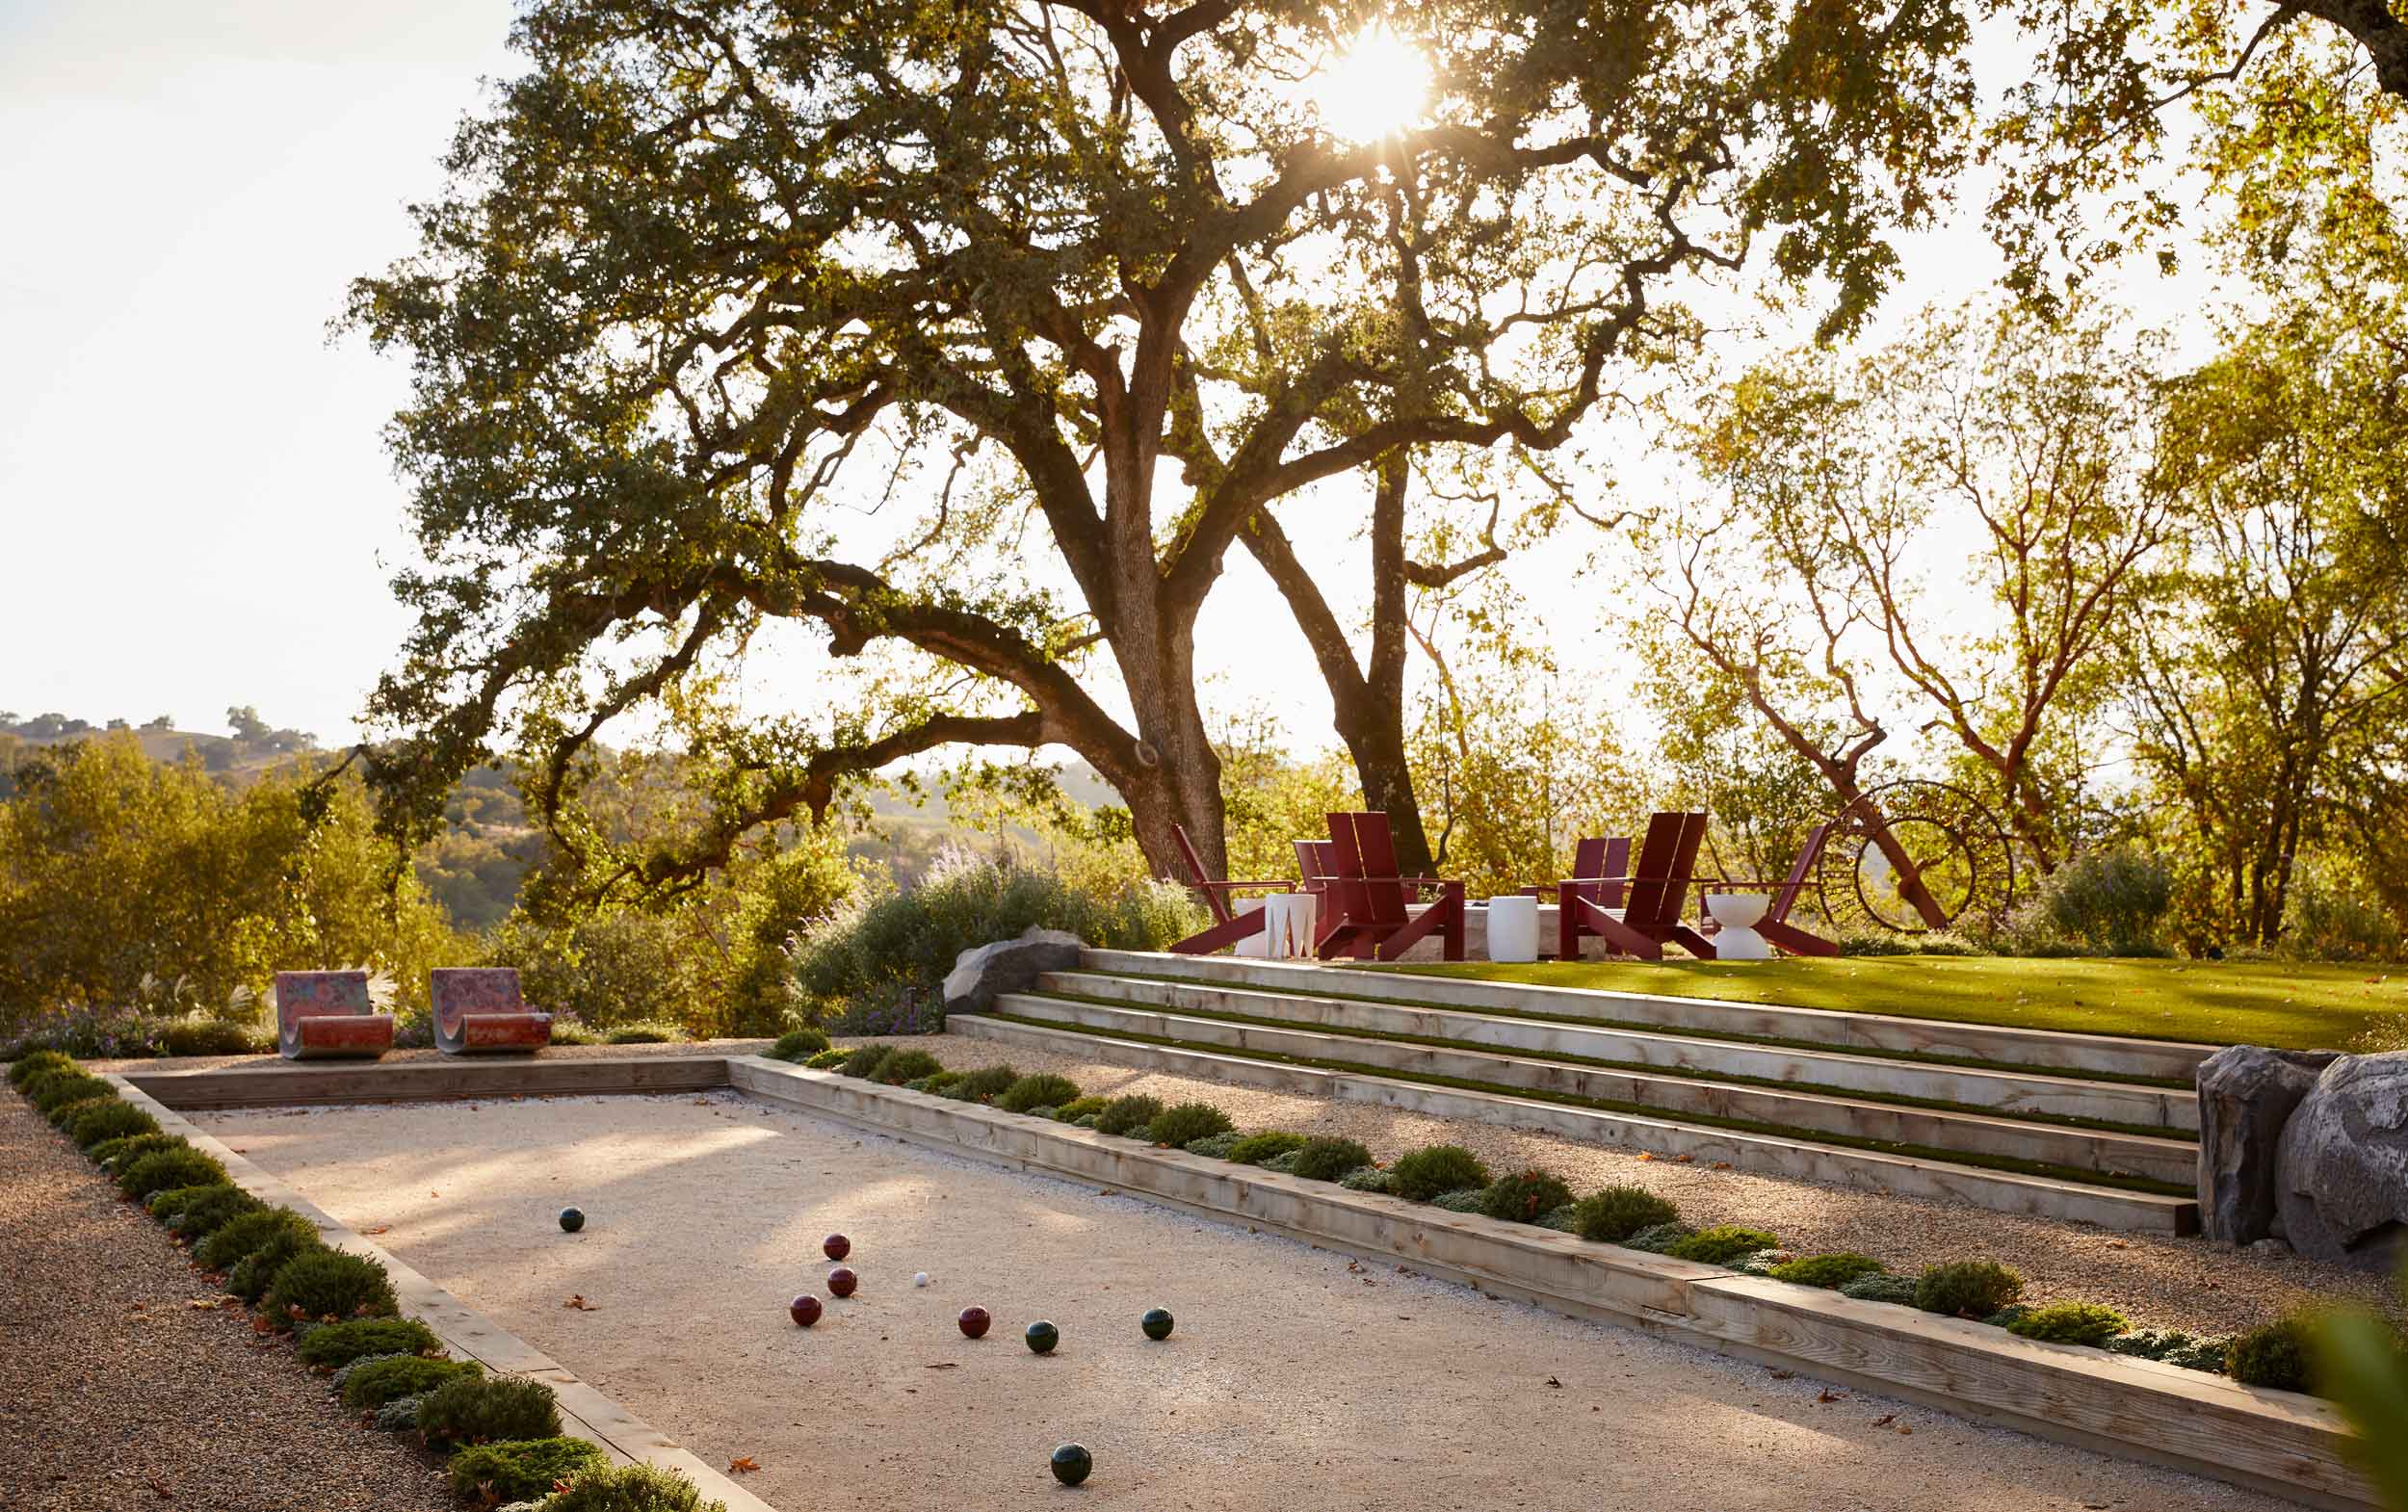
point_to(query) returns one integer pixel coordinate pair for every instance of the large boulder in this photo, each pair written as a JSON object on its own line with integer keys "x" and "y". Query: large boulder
{"x": 982, "y": 972}
{"x": 2342, "y": 1173}
{"x": 2246, "y": 1094}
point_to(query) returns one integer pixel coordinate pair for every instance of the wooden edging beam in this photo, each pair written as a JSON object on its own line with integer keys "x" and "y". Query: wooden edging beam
{"x": 283, "y": 1084}
{"x": 2281, "y": 1443}
{"x": 465, "y": 1331}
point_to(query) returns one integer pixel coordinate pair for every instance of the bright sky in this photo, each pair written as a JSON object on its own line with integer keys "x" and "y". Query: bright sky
{"x": 195, "y": 509}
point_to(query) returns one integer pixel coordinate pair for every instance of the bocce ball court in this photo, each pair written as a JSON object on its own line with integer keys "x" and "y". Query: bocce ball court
{"x": 1295, "y": 1376}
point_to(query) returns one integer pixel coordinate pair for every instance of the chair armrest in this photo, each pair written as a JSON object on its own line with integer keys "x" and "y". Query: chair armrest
{"x": 1228, "y": 887}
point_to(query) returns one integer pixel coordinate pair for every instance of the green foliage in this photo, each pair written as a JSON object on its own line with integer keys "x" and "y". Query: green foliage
{"x": 521, "y": 1468}
{"x": 2173, "y": 1349}
{"x": 645, "y": 1032}
{"x": 1078, "y": 1107}
{"x": 66, "y": 1113}
{"x": 1421, "y": 1175}
{"x": 1525, "y": 1196}
{"x": 1176, "y": 1124}
{"x": 632, "y": 1488}
{"x": 2111, "y": 900}
{"x": 1464, "y": 1199}
{"x": 256, "y": 1271}
{"x": 2071, "y": 1323}
{"x": 863, "y": 1060}
{"x": 340, "y": 1344}
{"x": 982, "y": 1085}
{"x": 191, "y": 1034}
{"x": 250, "y": 1232}
{"x": 798, "y": 1044}
{"x": 1284, "y": 1164}
{"x": 2330, "y": 917}
{"x": 906, "y": 1065}
{"x": 55, "y": 1090}
{"x": 1832, "y": 1272}
{"x": 1614, "y": 1215}
{"x": 1881, "y": 1285}
{"x": 34, "y": 1062}
{"x": 335, "y": 1284}
{"x": 1125, "y": 1115}
{"x": 114, "y": 1119}
{"x": 1724, "y": 1241}
{"x": 1042, "y": 1089}
{"x": 481, "y": 1409}
{"x": 1657, "y": 1239}
{"x": 375, "y": 1382}
{"x": 1369, "y": 1178}
{"x": 2280, "y": 1354}
{"x": 211, "y": 1209}
{"x": 114, "y": 1154}
{"x": 1214, "y": 1147}
{"x": 2361, "y": 1361}
{"x": 828, "y": 1059}
{"x": 162, "y": 1169}
{"x": 1967, "y": 1287}
{"x": 1266, "y": 1146}
{"x": 1328, "y": 1159}
{"x": 939, "y": 1081}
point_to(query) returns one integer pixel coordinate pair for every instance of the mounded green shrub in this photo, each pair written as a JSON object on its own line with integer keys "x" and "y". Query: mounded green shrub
{"x": 375, "y": 1382}
{"x": 516, "y": 1470}
{"x": 1326, "y": 1159}
{"x": 62, "y": 1115}
{"x": 1724, "y": 1241}
{"x": 34, "y": 1062}
{"x": 863, "y": 1060}
{"x": 1614, "y": 1213}
{"x": 906, "y": 1065}
{"x": 982, "y": 1085}
{"x": 647, "y": 1031}
{"x": 1176, "y": 1124}
{"x": 797, "y": 1044}
{"x": 632, "y": 1488}
{"x": 2071, "y": 1323}
{"x": 1426, "y": 1173}
{"x": 1266, "y": 1146}
{"x": 330, "y": 1283}
{"x": 1126, "y": 1115}
{"x": 2276, "y": 1354}
{"x": 162, "y": 1169}
{"x": 400, "y": 1414}
{"x": 53, "y": 1089}
{"x": 1039, "y": 1090}
{"x": 1368, "y": 1178}
{"x": 1462, "y": 1200}
{"x": 213, "y": 1209}
{"x": 488, "y": 1409}
{"x": 194, "y": 1035}
{"x": 113, "y": 1155}
{"x": 1657, "y": 1239}
{"x": 1564, "y": 1220}
{"x": 1882, "y": 1287}
{"x": 114, "y": 1119}
{"x": 250, "y": 1234}
{"x": 939, "y": 1081}
{"x": 1967, "y": 1287}
{"x": 338, "y": 1344}
{"x": 1078, "y": 1107}
{"x": 1831, "y": 1271}
{"x": 2173, "y": 1347}
{"x": 1524, "y": 1197}
{"x": 1214, "y": 1147}
{"x": 828, "y": 1059}
{"x": 255, "y": 1272}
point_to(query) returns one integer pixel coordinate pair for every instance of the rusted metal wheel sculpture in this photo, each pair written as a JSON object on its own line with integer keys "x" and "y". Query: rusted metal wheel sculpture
{"x": 1955, "y": 850}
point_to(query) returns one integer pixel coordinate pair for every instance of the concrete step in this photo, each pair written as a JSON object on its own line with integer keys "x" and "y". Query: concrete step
{"x": 2053, "y": 1144}
{"x": 2084, "y": 1055}
{"x": 2002, "y": 1191}
{"x": 2024, "y": 1093}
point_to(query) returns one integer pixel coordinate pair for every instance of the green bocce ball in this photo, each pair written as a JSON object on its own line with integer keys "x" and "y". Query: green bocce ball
{"x": 1042, "y": 1337}
{"x": 1156, "y": 1322}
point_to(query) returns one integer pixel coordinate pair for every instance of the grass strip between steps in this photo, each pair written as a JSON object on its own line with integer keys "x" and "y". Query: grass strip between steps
{"x": 1682, "y": 1073}
{"x": 2071, "y": 1175}
{"x": 1642, "y": 1027}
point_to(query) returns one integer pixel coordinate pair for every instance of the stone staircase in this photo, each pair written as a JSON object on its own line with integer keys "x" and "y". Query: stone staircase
{"x": 2094, "y": 1129}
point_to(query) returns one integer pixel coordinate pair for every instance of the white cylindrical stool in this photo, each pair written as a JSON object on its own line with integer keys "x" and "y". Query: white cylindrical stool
{"x": 1287, "y": 922}
{"x": 1259, "y": 942}
{"x": 1736, "y": 913}
{"x": 1513, "y": 929}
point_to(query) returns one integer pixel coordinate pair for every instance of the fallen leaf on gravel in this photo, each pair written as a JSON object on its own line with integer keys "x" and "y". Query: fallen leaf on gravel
{"x": 579, "y": 1302}
{"x": 743, "y": 1467}
{"x": 159, "y": 1486}
{"x": 1903, "y": 1428}
{"x": 1552, "y": 1381}
{"x": 260, "y": 1325}
{"x": 942, "y": 1364}
{"x": 1885, "y": 1420}
{"x": 1685, "y": 1159}
{"x": 205, "y": 1304}
{"x": 1830, "y": 1395}
{"x": 381, "y": 1228}
{"x": 1646, "y": 1154}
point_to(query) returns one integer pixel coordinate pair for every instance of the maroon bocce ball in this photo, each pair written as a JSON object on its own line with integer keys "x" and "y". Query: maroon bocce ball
{"x": 805, "y": 1311}
{"x": 836, "y": 1246}
{"x": 841, "y": 1281}
{"x": 974, "y": 1321}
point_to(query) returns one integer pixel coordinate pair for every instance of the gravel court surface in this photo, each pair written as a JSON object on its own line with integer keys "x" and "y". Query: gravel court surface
{"x": 1296, "y": 1377}
{"x": 116, "y": 1394}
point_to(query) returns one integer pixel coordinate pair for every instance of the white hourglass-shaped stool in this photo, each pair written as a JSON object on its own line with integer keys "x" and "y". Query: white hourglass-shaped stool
{"x": 1513, "y": 929}
{"x": 1736, "y": 940}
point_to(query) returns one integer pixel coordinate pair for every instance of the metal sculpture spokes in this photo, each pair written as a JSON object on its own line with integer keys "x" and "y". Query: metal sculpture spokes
{"x": 1914, "y": 856}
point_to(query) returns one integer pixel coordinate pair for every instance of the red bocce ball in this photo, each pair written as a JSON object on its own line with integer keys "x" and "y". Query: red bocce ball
{"x": 841, "y": 1281}
{"x": 836, "y": 1246}
{"x": 805, "y": 1311}
{"x": 974, "y": 1321}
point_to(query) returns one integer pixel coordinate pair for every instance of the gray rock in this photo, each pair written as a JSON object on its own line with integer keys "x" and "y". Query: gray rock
{"x": 2246, "y": 1094}
{"x": 983, "y": 971}
{"x": 2342, "y": 1173}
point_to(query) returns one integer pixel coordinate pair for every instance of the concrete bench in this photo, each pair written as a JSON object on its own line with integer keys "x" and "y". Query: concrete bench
{"x": 477, "y": 1010}
{"x": 322, "y": 1015}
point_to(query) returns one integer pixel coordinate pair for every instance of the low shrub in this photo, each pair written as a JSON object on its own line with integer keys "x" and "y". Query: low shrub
{"x": 797, "y": 1044}
{"x": 1125, "y": 1115}
{"x": 939, "y": 1081}
{"x": 1214, "y": 1147}
{"x": 1564, "y": 1220}
{"x": 34, "y": 1062}
{"x": 111, "y": 1155}
{"x": 1657, "y": 1239}
{"x": 1284, "y": 1164}
{"x": 1327, "y": 1159}
{"x": 1830, "y": 1271}
{"x": 1882, "y": 1287}
{"x": 170, "y": 1204}
{"x": 632, "y": 1488}
{"x": 2071, "y": 1323}
{"x": 194, "y": 1035}
{"x": 2111, "y": 900}
{"x": 114, "y": 1119}
{"x": 54, "y": 1089}
{"x": 399, "y": 1415}
{"x": 1967, "y": 1287}
{"x": 62, "y": 1115}
{"x": 1266, "y": 1146}
{"x": 647, "y": 1031}
{"x": 1524, "y": 1197}
{"x": 482, "y": 1409}
{"x": 2008, "y": 1315}
{"x": 1078, "y": 1107}
{"x": 161, "y": 1169}
{"x": 982, "y": 1085}
{"x": 1040, "y": 1090}
{"x": 245, "y": 1235}
{"x": 1723, "y": 1241}
{"x": 828, "y": 1059}
{"x": 255, "y": 1272}
{"x": 373, "y": 1383}
{"x": 906, "y": 1065}
{"x": 1463, "y": 1200}
{"x": 212, "y": 1210}
{"x": 338, "y": 1344}
{"x": 2174, "y": 1347}
{"x": 1614, "y": 1213}
{"x": 1368, "y": 1178}
{"x": 515, "y": 1470}
{"x": 1761, "y": 1262}
{"x": 863, "y": 1060}
{"x": 2275, "y": 1354}
{"x": 1176, "y": 1124}
{"x": 1423, "y": 1174}
{"x": 330, "y": 1284}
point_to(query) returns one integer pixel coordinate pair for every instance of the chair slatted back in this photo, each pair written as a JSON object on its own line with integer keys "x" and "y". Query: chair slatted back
{"x": 1197, "y": 878}
{"x": 1786, "y": 894}
{"x": 1667, "y": 856}
{"x": 1317, "y": 862}
{"x": 1602, "y": 864}
{"x": 1376, "y": 848}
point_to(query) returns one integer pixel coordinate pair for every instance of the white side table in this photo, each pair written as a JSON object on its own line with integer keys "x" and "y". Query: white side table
{"x": 1289, "y": 920}
{"x": 1513, "y": 929}
{"x": 1736, "y": 913}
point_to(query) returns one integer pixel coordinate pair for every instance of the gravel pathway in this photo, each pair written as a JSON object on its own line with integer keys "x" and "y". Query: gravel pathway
{"x": 119, "y": 1394}
{"x": 2156, "y": 1282}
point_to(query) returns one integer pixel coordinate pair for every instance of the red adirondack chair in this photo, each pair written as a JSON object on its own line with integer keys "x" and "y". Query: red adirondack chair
{"x": 1651, "y": 918}
{"x": 1370, "y": 908}
{"x": 1775, "y": 926}
{"x": 1317, "y": 863}
{"x": 1605, "y": 858}
{"x": 1229, "y": 926}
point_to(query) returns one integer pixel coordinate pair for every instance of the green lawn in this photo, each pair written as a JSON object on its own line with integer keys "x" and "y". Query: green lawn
{"x": 2290, "y": 1007}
